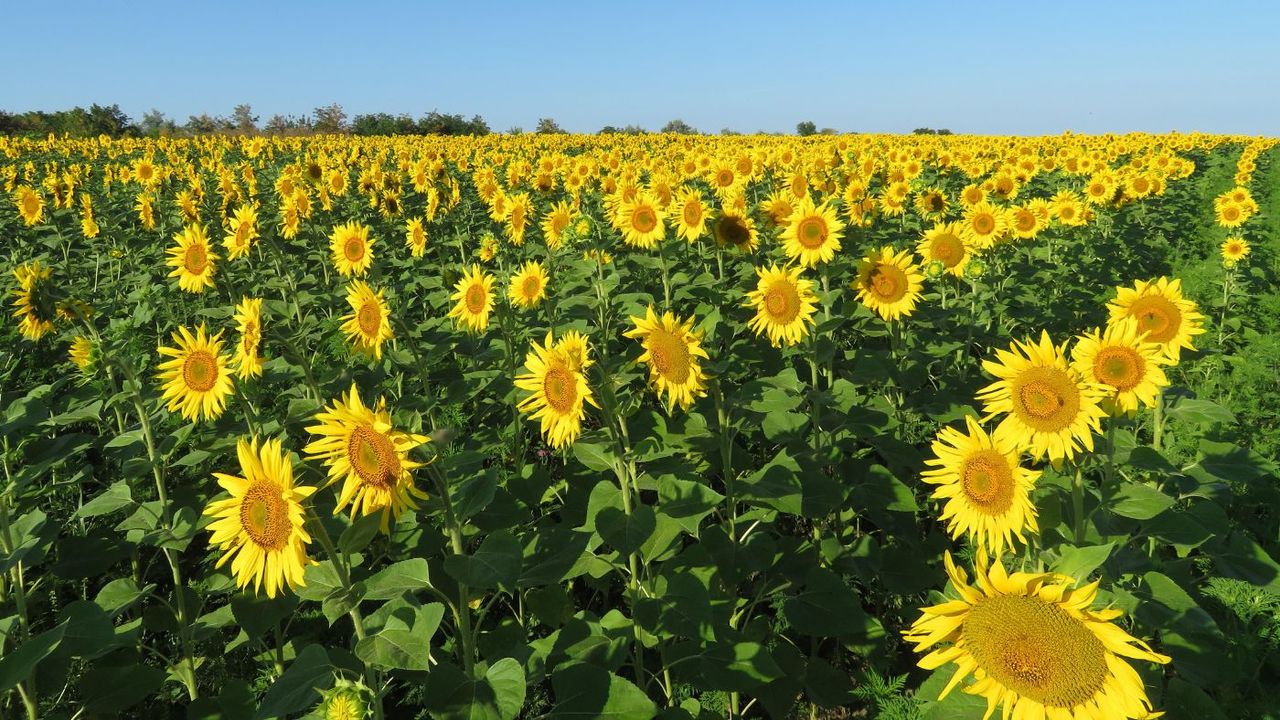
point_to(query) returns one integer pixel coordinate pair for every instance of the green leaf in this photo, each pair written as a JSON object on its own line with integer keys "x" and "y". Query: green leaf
{"x": 257, "y": 614}
{"x": 297, "y": 688}
{"x": 738, "y": 666}
{"x": 18, "y": 665}
{"x": 114, "y": 498}
{"x": 588, "y": 691}
{"x": 1140, "y": 502}
{"x": 395, "y": 648}
{"x": 89, "y": 630}
{"x": 320, "y": 581}
{"x": 397, "y": 579}
{"x": 1080, "y": 562}
{"x": 120, "y": 594}
{"x": 498, "y": 695}
{"x": 111, "y": 689}
{"x": 595, "y": 457}
{"x": 360, "y": 533}
{"x": 686, "y": 501}
{"x": 826, "y": 607}
{"x": 495, "y": 564}
{"x": 1200, "y": 412}
{"x": 626, "y": 533}
{"x": 956, "y": 705}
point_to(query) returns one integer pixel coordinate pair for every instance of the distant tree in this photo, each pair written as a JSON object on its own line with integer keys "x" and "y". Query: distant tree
{"x": 729, "y": 131}
{"x": 828, "y": 131}
{"x": 634, "y": 130}
{"x": 609, "y": 130}
{"x": 515, "y": 130}
{"x": 806, "y": 128}
{"x": 111, "y": 121}
{"x": 243, "y": 119}
{"x": 437, "y": 123}
{"x": 384, "y": 124}
{"x": 154, "y": 123}
{"x": 930, "y": 131}
{"x": 203, "y": 124}
{"x": 330, "y": 119}
{"x": 548, "y": 126}
{"x": 287, "y": 125}
{"x": 679, "y": 127}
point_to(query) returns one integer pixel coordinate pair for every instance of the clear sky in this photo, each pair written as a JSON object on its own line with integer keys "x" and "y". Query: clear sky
{"x": 1024, "y": 67}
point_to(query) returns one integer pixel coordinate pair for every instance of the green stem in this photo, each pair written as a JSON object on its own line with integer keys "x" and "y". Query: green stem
{"x": 1077, "y": 506}
{"x": 27, "y": 686}
{"x": 465, "y": 640}
{"x": 1157, "y": 422}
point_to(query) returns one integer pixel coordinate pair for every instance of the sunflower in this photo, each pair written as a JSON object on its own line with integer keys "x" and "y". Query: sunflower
{"x": 555, "y": 223}
{"x": 415, "y": 236}
{"x": 640, "y": 220}
{"x": 1234, "y": 249}
{"x": 1164, "y": 315}
{"x": 33, "y": 301}
{"x": 987, "y": 491}
{"x": 260, "y": 527}
{"x": 192, "y": 259}
{"x": 1229, "y": 215}
{"x": 1035, "y": 645}
{"x": 813, "y": 233}
{"x": 559, "y": 391}
{"x": 784, "y": 304}
{"x": 517, "y": 217}
{"x": 734, "y": 227}
{"x": 691, "y": 214}
{"x": 1125, "y": 362}
{"x": 363, "y": 450}
{"x": 889, "y": 283}
{"x": 983, "y": 224}
{"x": 248, "y": 319}
{"x": 528, "y": 286}
{"x": 352, "y": 249}
{"x": 196, "y": 379}
{"x": 81, "y": 354}
{"x": 1049, "y": 407}
{"x": 671, "y": 350}
{"x": 368, "y": 325}
{"x": 575, "y": 346}
{"x": 474, "y": 300}
{"x": 931, "y": 204}
{"x": 242, "y": 232}
{"x": 944, "y": 243}
{"x": 30, "y": 204}
{"x": 1024, "y": 222}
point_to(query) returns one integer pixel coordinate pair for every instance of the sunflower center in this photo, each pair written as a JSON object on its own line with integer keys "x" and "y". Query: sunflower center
{"x": 988, "y": 482}
{"x": 353, "y": 249}
{"x": 373, "y": 457}
{"x": 559, "y": 222}
{"x": 984, "y": 224}
{"x": 369, "y": 318}
{"x": 196, "y": 259}
{"x": 935, "y": 203}
{"x": 560, "y": 388}
{"x": 1046, "y": 398}
{"x": 200, "y": 370}
{"x": 1025, "y": 220}
{"x": 669, "y": 355}
{"x": 264, "y": 515}
{"x": 1036, "y": 649}
{"x": 734, "y": 230}
{"x": 1119, "y": 367}
{"x": 475, "y": 299}
{"x": 812, "y": 232}
{"x": 887, "y": 282}
{"x": 30, "y": 204}
{"x": 1157, "y": 316}
{"x": 643, "y": 219}
{"x": 1231, "y": 213}
{"x": 531, "y": 286}
{"x": 947, "y": 249}
{"x": 782, "y": 302}
{"x": 692, "y": 213}
{"x": 724, "y": 178}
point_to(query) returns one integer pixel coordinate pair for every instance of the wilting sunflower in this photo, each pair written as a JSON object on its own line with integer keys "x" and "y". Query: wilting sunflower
{"x": 559, "y": 391}
{"x": 944, "y": 243}
{"x": 192, "y": 260}
{"x": 1125, "y": 362}
{"x": 415, "y": 236}
{"x": 243, "y": 231}
{"x": 33, "y": 301}
{"x": 640, "y": 220}
{"x": 1234, "y": 249}
{"x": 784, "y": 303}
{"x": 577, "y": 349}
{"x": 260, "y": 527}
{"x": 671, "y": 350}
{"x": 1034, "y": 645}
{"x": 363, "y": 450}
{"x": 30, "y": 205}
{"x": 249, "y": 325}
{"x": 690, "y": 214}
{"x": 1163, "y": 314}
{"x": 528, "y": 286}
{"x": 1050, "y": 408}
{"x": 987, "y": 490}
{"x": 196, "y": 379}
{"x": 813, "y": 233}
{"x": 368, "y": 325}
{"x": 473, "y": 298}
{"x": 81, "y": 354}
{"x": 735, "y": 227}
{"x": 889, "y": 283}
{"x": 352, "y": 249}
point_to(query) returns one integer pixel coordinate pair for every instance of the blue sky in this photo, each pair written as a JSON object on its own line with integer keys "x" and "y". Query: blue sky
{"x": 988, "y": 67}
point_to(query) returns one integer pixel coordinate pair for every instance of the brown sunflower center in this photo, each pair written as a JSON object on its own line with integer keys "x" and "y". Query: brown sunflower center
{"x": 30, "y": 204}
{"x": 988, "y": 481}
{"x": 1157, "y": 316}
{"x": 984, "y": 224}
{"x": 264, "y": 516}
{"x": 475, "y": 298}
{"x": 669, "y": 355}
{"x": 559, "y": 222}
{"x": 560, "y": 387}
{"x": 812, "y": 232}
{"x": 1036, "y": 649}
{"x": 724, "y": 178}
{"x": 1120, "y": 367}
{"x": 948, "y": 249}
{"x": 734, "y": 230}
{"x": 782, "y": 302}
{"x": 887, "y": 282}
{"x": 1024, "y": 220}
{"x": 353, "y": 248}
{"x": 692, "y": 213}
{"x": 369, "y": 318}
{"x": 1230, "y": 213}
{"x": 373, "y": 457}
{"x": 200, "y": 370}
{"x": 1046, "y": 398}
{"x": 935, "y": 203}
{"x": 644, "y": 219}
{"x": 196, "y": 259}
{"x": 530, "y": 287}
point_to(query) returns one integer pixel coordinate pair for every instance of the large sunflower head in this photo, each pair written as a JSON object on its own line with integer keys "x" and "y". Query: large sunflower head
{"x": 555, "y": 223}
{"x": 35, "y": 301}
{"x": 784, "y": 303}
{"x": 368, "y": 455}
{"x": 1048, "y": 406}
{"x": 691, "y": 214}
{"x": 671, "y": 351}
{"x": 528, "y": 285}
{"x": 473, "y": 300}
{"x": 640, "y": 219}
{"x": 1034, "y": 645}
{"x": 259, "y": 529}
{"x": 368, "y": 325}
{"x": 242, "y": 231}
{"x": 1234, "y": 249}
{"x": 30, "y": 205}
{"x": 945, "y": 243}
{"x": 352, "y": 249}
{"x": 558, "y": 391}
{"x": 813, "y": 233}
{"x": 983, "y": 224}
{"x": 1124, "y": 362}
{"x": 888, "y": 283}
{"x": 986, "y": 489}
{"x": 196, "y": 380}
{"x": 192, "y": 259}
{"x": 1163, "y": 314}
{"x": 248, "y": 319}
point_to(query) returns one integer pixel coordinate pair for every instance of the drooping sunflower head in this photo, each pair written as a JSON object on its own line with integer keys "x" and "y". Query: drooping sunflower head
{"x": 556, "y": 223}
{"x": 577, "y": 349}
{"x": 352, "y": 249}
{"x": 813, "y": 233}
{"x": 888, "y": 283}
{"x": 784, "y": 303}
{"x": 192, "y": 259}
{"x": 1049, "y": 408}
{"x": 195, "y": 379}
{"x": 1122, "y": 360}
{"x": 473, "y": 300}
{"x": 248, "y": 317}
{"x": 672, "y": 350}
{"x": 558, "y": 392}
{"x": 944, "y": 243}
{"x": 83, "y": 353}
{"x": 259, "y": 529}
{"x": 368, "y": 455}
{"x": 1034, "y": 645}
{"x": 1234, "y": 249}
{"x": 368, "y": 325}
{"x": 35, "y": 301}
{"x": 1163, "y": 314}
{"x": 528, "y": 285}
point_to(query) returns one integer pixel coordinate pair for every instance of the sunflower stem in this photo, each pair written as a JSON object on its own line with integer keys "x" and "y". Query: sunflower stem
{"x": 1077, "y": 506}
{"x": 27, "y": 686}
{"x": 666, "y": 278}
{"x": 1157, "y": 422}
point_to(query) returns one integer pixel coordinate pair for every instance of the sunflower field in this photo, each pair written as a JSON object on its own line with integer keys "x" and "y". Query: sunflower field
{"x": 563, "y": 426}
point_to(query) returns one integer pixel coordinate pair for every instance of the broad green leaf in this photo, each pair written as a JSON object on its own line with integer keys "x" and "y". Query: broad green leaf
{"x": 586, "y": 691}
{"x": 115, "y": 497}
{"x": 18, "y": 664}
{"x": 111, "y": 689}
{"x": 297, "y": 688}
{"x": 825, "y": 607}
{"x": 496, "y": 563}
{"x": 396, "y": 579}
{"x": 626, "y": 533}
{"x": 1140, "y": 502}
{"x": 1080, "y": 562}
